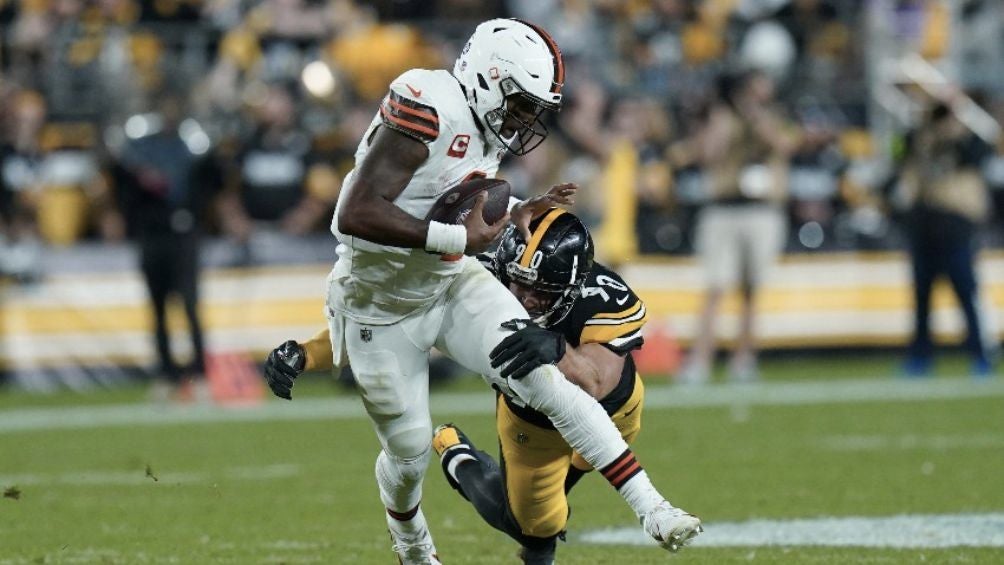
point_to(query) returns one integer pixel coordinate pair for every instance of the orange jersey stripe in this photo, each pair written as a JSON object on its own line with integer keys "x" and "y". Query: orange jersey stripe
{"x": 414, "y": 112}
{"x": 410, "y": 125}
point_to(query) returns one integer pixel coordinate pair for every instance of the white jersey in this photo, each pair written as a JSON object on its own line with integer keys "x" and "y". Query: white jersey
{"x": 380, "y": 284}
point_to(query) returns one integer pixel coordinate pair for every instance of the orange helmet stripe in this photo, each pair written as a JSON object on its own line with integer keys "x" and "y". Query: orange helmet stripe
{"x": 559, "y": 64}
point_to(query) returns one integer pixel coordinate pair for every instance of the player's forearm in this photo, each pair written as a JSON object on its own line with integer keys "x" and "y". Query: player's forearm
{"x": 380, "y": 221}
{"x": 582, "y": 371}
{"x": 318, "y": 352}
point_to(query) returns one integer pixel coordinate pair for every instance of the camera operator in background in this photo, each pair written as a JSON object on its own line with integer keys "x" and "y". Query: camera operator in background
{"x": 940, "y": 180}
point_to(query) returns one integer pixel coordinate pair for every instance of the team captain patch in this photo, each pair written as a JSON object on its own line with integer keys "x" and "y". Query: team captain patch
{"x": 409, "y": 117}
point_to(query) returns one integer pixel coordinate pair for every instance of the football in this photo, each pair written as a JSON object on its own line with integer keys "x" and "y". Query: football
{"x": 454, "y": 205}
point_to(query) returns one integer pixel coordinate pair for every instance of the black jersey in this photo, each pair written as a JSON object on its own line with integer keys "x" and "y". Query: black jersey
{"x": 609, "y": 313}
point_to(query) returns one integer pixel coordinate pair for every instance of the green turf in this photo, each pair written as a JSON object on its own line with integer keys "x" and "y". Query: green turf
{"x": 187, "y": 499}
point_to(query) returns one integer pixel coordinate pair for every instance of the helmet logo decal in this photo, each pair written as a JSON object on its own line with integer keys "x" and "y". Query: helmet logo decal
{"x": 458, "y": 148}
{"x": 493, "y": 73}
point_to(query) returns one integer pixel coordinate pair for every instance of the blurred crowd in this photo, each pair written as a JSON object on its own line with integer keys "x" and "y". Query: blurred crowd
{"x": 265, "y": 100}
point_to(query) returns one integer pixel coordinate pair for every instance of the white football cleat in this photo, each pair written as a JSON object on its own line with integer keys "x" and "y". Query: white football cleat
{"x": 415, "y": 551}
{"x": 671, "y": 527}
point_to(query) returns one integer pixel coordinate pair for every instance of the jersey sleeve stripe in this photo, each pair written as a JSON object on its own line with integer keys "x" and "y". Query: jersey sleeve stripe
{"x": 538, "y": 234}
{"x": 627, "y": 341}
{"x": 418, "y": 114}
{"x": 604, "y": 334}
{"x": 622, "y": 314}
{"x": 420, "y": 132}
{"x": 639, "y": 315}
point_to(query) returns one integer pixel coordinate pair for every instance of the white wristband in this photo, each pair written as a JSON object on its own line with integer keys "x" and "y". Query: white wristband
{"x": 446, "y": 238}
{"x": 513, "y": 201}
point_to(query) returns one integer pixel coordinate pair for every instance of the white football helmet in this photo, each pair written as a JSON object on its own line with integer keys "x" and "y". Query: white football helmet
{"x": 506, "y": 59}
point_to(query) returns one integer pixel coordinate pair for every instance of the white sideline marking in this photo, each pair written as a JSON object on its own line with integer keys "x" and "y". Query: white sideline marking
{"x": 940, "y": 442}
{"x": 656, "y": 397}
{"x": 139, "y": 477}
{"x": 903, "y": 531}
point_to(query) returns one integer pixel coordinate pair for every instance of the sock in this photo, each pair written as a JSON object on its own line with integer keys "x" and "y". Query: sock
{"x": 409, "y": 525}
{"x": 627, "y": 476}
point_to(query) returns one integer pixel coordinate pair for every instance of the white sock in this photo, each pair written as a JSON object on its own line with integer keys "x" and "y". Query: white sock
{"x": 640, "y": 494}
{"x": 408, "y": 526}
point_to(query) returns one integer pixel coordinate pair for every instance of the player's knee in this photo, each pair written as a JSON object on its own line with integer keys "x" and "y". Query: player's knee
{"x": 409, "y": 444}
{"x": 543, "y": 525}
{"x": 541, "y": 518}
{"x": 402, "y": 471}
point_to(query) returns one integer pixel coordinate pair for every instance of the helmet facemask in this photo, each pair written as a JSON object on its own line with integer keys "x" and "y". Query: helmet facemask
{"x": 560, "y": 297}
{"x": 522, "y": 111}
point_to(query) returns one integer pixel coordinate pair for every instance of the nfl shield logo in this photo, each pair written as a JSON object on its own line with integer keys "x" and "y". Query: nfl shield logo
{"x": 365, "y": 334}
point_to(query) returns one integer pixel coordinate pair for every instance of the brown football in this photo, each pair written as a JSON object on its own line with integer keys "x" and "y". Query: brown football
{"x": 454, "y": 204}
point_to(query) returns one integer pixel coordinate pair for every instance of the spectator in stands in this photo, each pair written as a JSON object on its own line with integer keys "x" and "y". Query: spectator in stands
{"x": 162, "y": 189}
{"x": 743, "y": 149}
{"x": 277, "y": 184}
{"x": 942, "y": 178}
{"x": 21, "y": 159}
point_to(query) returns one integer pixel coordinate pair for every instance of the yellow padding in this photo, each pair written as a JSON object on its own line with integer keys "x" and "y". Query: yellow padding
{"x": 603, "y": 334}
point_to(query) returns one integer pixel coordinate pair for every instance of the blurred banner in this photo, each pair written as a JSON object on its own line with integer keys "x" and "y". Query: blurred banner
{"x": 78, "y": 327}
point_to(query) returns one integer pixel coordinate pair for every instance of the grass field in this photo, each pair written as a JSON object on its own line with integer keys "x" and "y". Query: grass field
{"x": 102, "y": 478}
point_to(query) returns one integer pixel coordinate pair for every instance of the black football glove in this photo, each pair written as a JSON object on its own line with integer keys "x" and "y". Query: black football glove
{"x": 284, "y": 364}
{"x": 529, "y": 347}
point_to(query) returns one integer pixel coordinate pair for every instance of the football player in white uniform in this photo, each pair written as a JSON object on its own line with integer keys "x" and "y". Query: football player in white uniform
{"x": 402, "y": 285}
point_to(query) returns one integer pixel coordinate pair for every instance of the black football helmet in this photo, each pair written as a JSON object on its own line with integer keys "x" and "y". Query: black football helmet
{"x": 554, "y": 264}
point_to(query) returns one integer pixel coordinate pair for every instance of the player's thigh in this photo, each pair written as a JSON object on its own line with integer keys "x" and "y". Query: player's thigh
{"x": 627, "y": 418}
{"x": 718, "y": 246}
{"x": 392, "y": 376}
{"x": 476, "y": 306}
{"x": 536, "y": 463}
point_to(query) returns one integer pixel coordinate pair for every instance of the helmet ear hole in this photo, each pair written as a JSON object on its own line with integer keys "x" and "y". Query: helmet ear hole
{"x": 482, "y": 82}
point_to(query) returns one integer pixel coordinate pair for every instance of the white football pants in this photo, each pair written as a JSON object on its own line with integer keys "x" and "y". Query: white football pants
{"x": 390, "y": 364}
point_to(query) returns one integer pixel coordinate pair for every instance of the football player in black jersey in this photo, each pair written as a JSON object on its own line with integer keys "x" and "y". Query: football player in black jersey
{"x": 597, "y": 319}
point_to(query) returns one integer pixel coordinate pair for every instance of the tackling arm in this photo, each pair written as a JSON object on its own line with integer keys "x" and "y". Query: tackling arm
{"x": 593, "y": 367}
